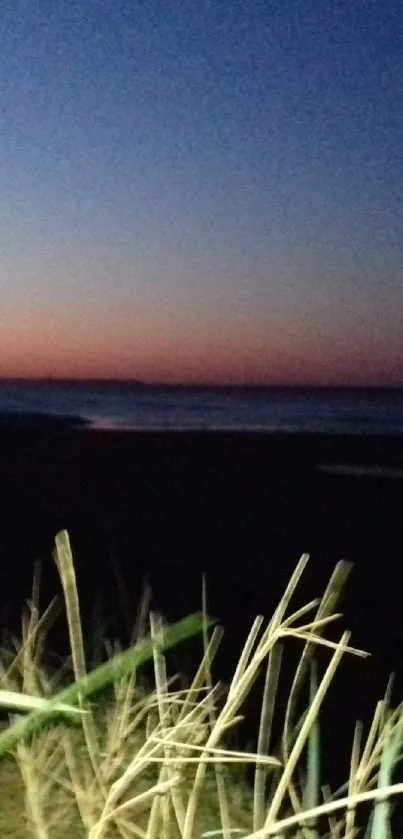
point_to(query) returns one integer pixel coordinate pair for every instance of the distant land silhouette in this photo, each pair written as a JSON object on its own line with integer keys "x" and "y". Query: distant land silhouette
{"x": 197, "y": 386}
{"x": 38, "y": 421}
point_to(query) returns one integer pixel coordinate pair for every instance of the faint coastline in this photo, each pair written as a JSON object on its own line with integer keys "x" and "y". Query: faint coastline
{"x": 37, "y": 421}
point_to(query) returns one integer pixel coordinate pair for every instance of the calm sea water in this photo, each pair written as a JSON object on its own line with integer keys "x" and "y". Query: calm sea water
{"x": 123, "y": 405}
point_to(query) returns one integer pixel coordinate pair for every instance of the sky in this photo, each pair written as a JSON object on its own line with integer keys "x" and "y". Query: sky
{"x": 202, "y": 190}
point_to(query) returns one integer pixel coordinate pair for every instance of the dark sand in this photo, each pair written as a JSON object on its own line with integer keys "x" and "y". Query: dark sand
{"x": 239, "y": 507}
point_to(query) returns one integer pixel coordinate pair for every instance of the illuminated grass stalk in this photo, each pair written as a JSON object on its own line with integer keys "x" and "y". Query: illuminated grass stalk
{"x": 182, "y": 733}
{"x": 87, "y": 684}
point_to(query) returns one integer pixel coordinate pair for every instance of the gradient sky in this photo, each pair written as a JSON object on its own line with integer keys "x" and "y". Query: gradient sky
{"x": 202, "y": 190}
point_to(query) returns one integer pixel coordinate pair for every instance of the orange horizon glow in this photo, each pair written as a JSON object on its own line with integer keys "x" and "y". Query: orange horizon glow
{"x": 165, "y": 348}
{"x": 170, "y": 365}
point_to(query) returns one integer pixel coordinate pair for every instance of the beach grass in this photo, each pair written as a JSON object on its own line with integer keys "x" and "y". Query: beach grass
{"x": 110, "y": 752}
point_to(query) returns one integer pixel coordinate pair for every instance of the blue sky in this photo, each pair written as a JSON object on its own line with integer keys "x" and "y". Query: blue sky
{"x": 202, "y": 191}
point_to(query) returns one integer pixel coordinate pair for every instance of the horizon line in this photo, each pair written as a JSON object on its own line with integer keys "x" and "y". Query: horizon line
{"x": 132, "y": 380}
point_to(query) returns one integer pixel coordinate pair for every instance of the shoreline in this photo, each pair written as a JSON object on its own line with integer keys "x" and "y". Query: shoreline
{"x": 26, "y": 422}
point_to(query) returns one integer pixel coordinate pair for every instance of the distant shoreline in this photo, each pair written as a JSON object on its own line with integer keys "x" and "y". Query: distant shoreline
{"x": 37, "y": 421}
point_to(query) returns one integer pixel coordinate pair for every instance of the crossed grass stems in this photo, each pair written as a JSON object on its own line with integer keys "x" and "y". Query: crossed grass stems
{"x": 107, "y": 756}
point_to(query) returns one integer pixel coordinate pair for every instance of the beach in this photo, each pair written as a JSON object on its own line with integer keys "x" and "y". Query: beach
{"x": 239, "y": 508}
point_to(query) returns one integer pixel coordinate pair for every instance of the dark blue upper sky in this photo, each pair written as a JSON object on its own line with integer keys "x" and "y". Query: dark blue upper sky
{"x": 202, "y": 190}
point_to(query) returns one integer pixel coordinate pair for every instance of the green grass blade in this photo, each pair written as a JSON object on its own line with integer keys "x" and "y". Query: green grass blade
{"x": 380, "y": 826}
{"x": 313, "y": 748}
{"x": 103, "y": 676}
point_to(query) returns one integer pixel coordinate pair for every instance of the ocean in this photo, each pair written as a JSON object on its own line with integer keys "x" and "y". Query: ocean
{"x": 126, "y": 405}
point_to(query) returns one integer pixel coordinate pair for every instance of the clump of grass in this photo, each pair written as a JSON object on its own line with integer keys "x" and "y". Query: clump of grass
{"x": 102, "y": 754}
